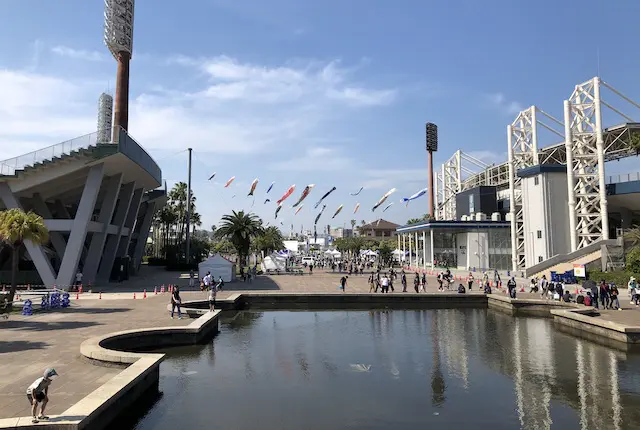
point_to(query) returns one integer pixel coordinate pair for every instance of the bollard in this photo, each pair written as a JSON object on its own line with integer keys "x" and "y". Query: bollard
{"x": 65, "y": 300}
{"x": 27, "y": 308}
{"x": 100, "y": 296}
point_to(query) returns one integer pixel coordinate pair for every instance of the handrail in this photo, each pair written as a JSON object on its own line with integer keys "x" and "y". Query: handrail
{"x": 125, "y": 144}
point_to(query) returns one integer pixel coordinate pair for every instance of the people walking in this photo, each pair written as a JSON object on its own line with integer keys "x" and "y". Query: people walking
{"x": 343, "y": 283}
{"x": 416, "y": 283}
{"x": 615, "y": 302}
{"x": 403, "y": 280}
{"x": 470, "y": 281}
{"x": 511, "y": 285}
{"x": 176, "y": 302}
{"x": 212, "y": 298}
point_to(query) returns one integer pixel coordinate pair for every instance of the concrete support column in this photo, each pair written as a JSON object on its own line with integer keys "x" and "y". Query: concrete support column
{"x": 409, "y": 249}
{"x": 39, "y": 258}
{"x": 415, "y": 235}
{"x": 132, "y": 215}
{"x": 424, "y": 250}
{"x": 78, "y": 234}
{"x": 404, "y": 248}
{"x": 111, "y": 246}
{"x": 98, "y": 239}
{"x": 57, "y": 240}
{"x": 143, "y": 235}
{"x": 433, "y": 256}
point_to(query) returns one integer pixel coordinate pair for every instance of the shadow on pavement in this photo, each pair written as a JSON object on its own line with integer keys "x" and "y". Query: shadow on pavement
{"x": 20, "y": 345}
{"x": 45, "y": 326}
{"x": 92, "y": 310}
{"x": 260, "y": 283}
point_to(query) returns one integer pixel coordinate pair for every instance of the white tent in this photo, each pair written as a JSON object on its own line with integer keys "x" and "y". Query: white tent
{"x": 218, "y": 266}
{"x": 274, "y": 262}
{"x": 333, "y": 253}
{"x": 370, "y": 253}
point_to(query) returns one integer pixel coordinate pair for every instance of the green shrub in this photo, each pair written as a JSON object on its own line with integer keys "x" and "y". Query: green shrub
{"x": 633, "y": 260}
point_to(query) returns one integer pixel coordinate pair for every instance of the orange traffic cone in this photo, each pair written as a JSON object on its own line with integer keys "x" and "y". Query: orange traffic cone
{"x": 145, "y": 294}
{"x": 77, "y": 295}
{"x": 100, "y": 297}
{"x": 522, "y": 289}
{"x": 155, "y": 290}
{"x": 134, "y": 296}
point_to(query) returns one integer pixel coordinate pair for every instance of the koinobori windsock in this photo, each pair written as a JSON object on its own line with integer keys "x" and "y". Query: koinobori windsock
{"x": 383, "y": 199}
{"x": 320, "y": 214}
{"x": 287, "y": 194}
{"x": 356, "y": 208}
{"x": 212, "y": 176}
{"x": 254, "y": 184}
{"x": 417, "y": 195}
{"x": 304, "y": 194}
{"x": 229, "y": 181}
{"x": 359, "y": 191}
{"x": 270, "y": 186}
{"x": 337, "y": 211}
{"x": 387, "y": 207}
{"x": 278, "y": 210}
{"x": 324, "y": 197}
{"x": 299, "y": 209}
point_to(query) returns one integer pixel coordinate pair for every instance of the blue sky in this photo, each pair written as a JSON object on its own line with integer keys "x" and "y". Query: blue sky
{"x": 334, "y": 93}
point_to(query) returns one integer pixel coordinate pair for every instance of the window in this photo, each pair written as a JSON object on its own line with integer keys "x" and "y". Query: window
{"x": 539, "y": 234}
{"x": 536, "y": 180}
{"x": 540, "y": 259}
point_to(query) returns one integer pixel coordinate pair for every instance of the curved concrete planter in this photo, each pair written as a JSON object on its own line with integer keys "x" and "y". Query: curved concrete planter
{"x": 100, "y": 408}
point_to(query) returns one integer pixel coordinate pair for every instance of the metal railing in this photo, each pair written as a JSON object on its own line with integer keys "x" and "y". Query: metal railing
{"x": 126, "y": 145}
{"x": 627, "y": 177}
{"x": 10, "y": 166}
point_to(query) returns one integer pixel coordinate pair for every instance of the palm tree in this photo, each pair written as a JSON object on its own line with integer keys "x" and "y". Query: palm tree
{"x": 633, "y": 235}
{"x": 16, "y": 227}
{"x": 270, "y": 240}
{"x": 239, "y": 228}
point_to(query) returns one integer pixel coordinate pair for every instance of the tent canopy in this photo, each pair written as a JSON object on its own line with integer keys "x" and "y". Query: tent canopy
{"x": 219, "y": 267}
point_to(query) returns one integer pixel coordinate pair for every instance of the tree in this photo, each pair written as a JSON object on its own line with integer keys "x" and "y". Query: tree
{"x": 16, "y": 227}
{"x": 425, "y": 217}
{"x": 633, "y": 260}
{"x": 353, "y": 224}
{"x": 634, "y": 142}
{"x": 633, "y": 236}
{"x": 240, "y": 228}
{"x": 385, "y": 253}
{"x": 269, "y": 240}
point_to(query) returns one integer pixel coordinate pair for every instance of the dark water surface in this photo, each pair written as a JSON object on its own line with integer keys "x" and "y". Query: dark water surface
{"x": 450, "y": 369}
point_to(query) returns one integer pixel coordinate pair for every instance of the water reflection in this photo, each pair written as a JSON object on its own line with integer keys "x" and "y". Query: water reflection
{"x": 401, "y": 369}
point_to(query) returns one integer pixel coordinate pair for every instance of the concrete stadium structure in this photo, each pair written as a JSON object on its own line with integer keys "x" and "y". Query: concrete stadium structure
{"x": 98, "y": 201}
{"x": 558, "y": 202}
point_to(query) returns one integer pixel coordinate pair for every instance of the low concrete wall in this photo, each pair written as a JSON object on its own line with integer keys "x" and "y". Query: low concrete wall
{"x": 526, "y": 307}
{"x": 99, "y": 409}
{"x": 583, "y": 321}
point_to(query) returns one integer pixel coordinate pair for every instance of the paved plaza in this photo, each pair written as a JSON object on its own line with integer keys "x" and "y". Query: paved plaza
{"x": 29, "y": 344}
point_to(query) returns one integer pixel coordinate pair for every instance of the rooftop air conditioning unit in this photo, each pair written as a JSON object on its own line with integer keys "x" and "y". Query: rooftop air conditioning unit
{"x": 495, "y": 216}
{"x": 481, "y": 217}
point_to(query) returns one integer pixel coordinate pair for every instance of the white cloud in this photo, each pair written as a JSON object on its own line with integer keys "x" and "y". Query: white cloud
{"x": 500, "y": 102}
{"x": 237, "y": 107}
{"x": 316, "y": 159}
{"x": 77, "y": 54}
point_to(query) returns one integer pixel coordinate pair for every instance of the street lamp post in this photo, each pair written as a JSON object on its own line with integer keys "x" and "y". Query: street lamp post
{"x": 432, "y": 146}
{"x": 118, "y": 36}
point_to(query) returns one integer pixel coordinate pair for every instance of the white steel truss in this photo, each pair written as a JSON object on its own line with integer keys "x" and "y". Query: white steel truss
{"x": 460, "y": 166}
{"x": 587, "y": 150}
{"x": 522, "y": 138}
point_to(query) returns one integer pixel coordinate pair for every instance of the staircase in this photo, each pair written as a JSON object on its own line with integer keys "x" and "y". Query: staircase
{"x": 37, "y": 161}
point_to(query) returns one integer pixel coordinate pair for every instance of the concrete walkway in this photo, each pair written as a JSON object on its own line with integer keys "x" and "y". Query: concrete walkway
{"x": 28, "y": 345}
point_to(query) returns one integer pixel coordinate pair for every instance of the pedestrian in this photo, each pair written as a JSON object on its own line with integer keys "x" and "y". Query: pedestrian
{"x": 403, "y": 280}
{"x": 384, "y": 282}
{"x": 544, "y": 286}
{"x": 38, "y": 392}
{"x": 78, "y": 282}
{"x": 220, "y": 285}
{"x": 212, "y": 298}
{"x": 613, "y": 291}
{"x": 416, "y": 283}
{"x": 631, "y": 287}
{"x": 470, "y": 281}
{"x": 191, "y": 278}
{"x": 511, "y": 285}
{"x": 176, "y": 301}
{"x": 343, "y": 283}
{"x": 372, "y": 283}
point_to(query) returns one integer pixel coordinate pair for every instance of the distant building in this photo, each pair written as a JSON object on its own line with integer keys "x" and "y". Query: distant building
{"x": 340, "y": 232}
{"x": 378, "y": 228}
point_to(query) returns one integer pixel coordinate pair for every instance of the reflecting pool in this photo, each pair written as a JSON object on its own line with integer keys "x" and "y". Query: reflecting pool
{"x": 453, "y": 369}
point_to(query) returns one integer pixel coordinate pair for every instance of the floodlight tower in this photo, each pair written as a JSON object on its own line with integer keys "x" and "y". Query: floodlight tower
{"x": 432, "y": 146}
{"x": 105, "y": 117}
{"x": 118, "y": 36}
